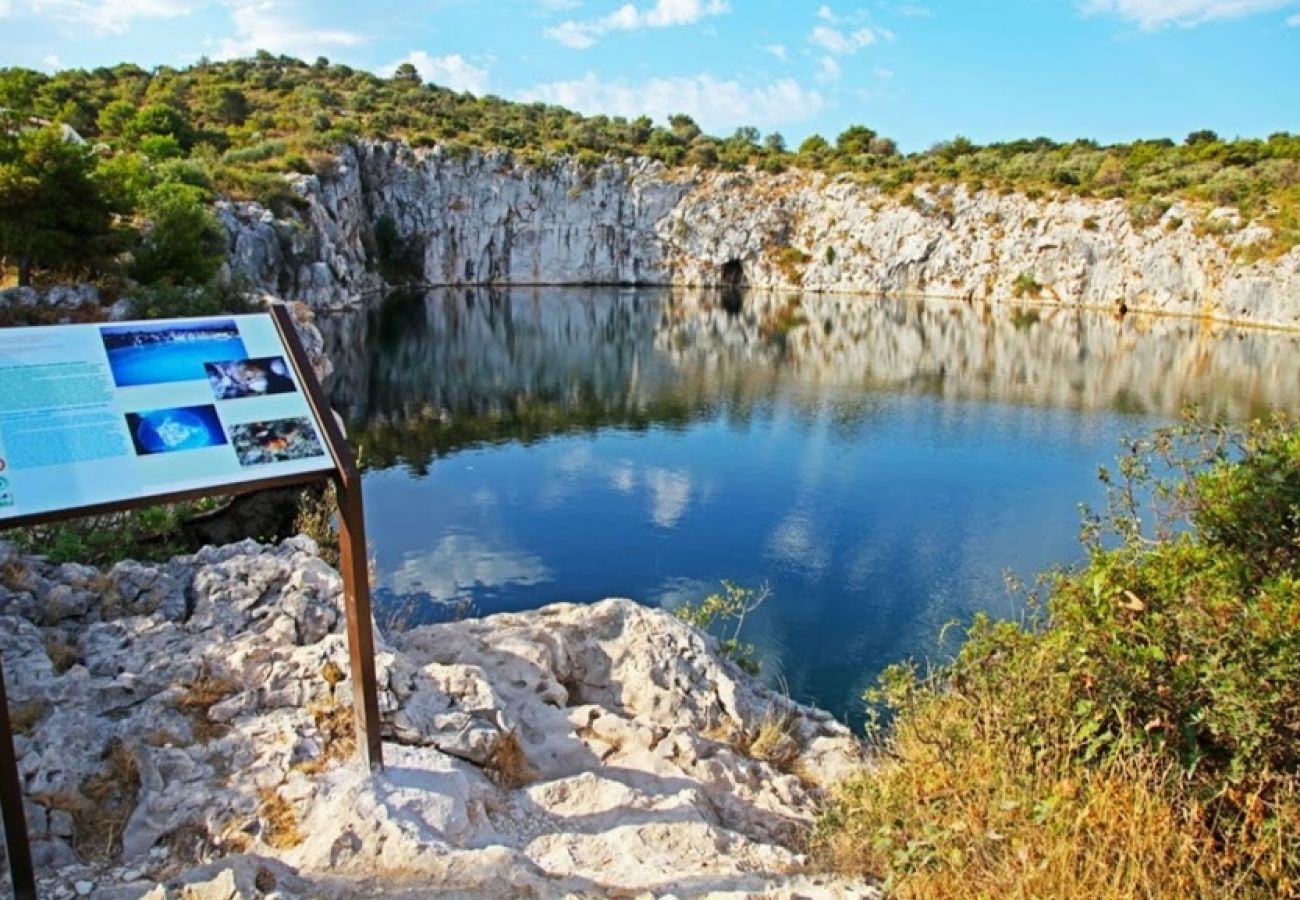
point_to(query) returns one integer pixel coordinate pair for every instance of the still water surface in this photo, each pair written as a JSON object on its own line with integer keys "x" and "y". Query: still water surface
{"x": 878, "y": 463}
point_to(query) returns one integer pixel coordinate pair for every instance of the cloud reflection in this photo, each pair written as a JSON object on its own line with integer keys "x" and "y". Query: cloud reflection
{"x": 460, "y": 564}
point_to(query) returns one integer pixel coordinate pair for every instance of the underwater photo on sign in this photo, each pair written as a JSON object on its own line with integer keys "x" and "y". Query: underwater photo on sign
{"x": 143, "y": 353}
{"x": 277, "y": 441}
{"x": 234, "y": 379}
{"x": 173, "y": 430}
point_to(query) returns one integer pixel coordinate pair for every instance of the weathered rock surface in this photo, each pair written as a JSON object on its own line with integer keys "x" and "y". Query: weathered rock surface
{"x": 200, "y": 707}
{"x": 482, "y": 218}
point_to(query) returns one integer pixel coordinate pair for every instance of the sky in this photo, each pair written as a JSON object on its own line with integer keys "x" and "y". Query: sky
{"x": 920, "y": 71}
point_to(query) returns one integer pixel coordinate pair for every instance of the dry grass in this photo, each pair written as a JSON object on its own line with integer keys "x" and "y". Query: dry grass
{"x": 279, "y": 822}
{"x": 13, "y": 574}
{"x": 199, "y": 696}
{"x": 62, "y": 654}
{"x": 317, "y": 512}
{"x": 24, "y": 716}
{"x": 772, "y": 741}
{"x": 507, "y": 766}
{"x": 102, "y": 806}
{"x": 980, "y": 817}
{"x": 337, "y": 727}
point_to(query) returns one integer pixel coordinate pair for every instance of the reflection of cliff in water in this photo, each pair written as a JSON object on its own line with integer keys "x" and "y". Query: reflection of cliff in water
{"x": 428, "y": 375}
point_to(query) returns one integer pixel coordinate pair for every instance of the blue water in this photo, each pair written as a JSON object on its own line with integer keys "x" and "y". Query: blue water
{"x": 879, "y": 476}
{"x": 165, "y": 363}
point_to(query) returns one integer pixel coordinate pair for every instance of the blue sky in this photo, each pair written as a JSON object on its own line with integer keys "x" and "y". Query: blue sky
{"x": 917, "y": 70}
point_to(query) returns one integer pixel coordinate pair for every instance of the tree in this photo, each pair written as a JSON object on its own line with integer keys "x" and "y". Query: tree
{"x": 1204, "y": 136}
{"x": 774, "y": 143}
{"x": 683, "y": 127}
{"x": 184, "y": 243}
{"x": 854, "y": 140}
{"x": 228, "y": 105}
{"x": 53, "y": 214}
{"x": 407, "y": 72}
{"x": 813, "y": 145}
{"x": 746, "y": 134}
{"x": 161, "y": 120}
{"x": 115, "y": 118}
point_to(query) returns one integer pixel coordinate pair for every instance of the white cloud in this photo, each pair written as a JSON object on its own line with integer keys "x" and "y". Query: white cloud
{"x": 1294, "y": 21}
{"x": 828, "y": 70}
{"x": 914, "y": 11}
{"x": 826, "y": 14}
{"x": 275, "y": 26}
{"x": 6, "y": 9}
{"x": 452, "y": 71}
{"x": 664, "y": 14}
{"x": 716, "y": 105}
{"x": 52, "y": 62}
{"x": 777, "y": 50}
{"x": 104, "y": 16}
{"x": 842, "y": 43}
{"x": 1151, "y": 14}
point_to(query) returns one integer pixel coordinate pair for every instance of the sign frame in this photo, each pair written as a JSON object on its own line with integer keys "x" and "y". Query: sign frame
{"x": 353, "y": 566}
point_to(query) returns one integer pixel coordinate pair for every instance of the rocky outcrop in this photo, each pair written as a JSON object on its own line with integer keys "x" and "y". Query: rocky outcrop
{"x": 483, "y": 218}
{"x": 195, "y": 714}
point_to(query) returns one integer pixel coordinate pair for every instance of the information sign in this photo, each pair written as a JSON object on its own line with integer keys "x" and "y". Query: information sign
{"x": 92, "y": 415}
{"x": 108, "y": 417}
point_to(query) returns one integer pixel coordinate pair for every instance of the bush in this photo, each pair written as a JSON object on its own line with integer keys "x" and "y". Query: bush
{"x": 184, "y": 244}
{"x": 173, "y": 302}
{"x": 1139, "y": 736}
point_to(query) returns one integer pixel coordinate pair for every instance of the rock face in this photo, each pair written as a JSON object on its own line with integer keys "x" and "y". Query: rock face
{"x": 482, "y": 218}
{"x": 195, "y": 714}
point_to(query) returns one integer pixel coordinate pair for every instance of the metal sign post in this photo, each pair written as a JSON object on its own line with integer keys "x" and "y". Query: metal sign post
{"x": 343, "y": 471}
{"x": 354, "y": 560}
{"x": 11, "y": 805}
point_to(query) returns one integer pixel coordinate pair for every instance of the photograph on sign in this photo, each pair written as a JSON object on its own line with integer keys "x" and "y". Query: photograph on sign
{"x": 170, "y": 430}
{"x": 148, "y": 353}
{"x": 101, "y": 414}
{"x": 250, "y": 378}
{"x": 284, "y": 440}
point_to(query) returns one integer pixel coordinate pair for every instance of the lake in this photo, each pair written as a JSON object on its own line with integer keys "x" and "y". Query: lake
{"x": 878, "y": 464}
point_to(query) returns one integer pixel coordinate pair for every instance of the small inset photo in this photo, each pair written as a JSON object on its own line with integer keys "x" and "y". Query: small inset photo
{"x": 277, "y": 441}
{"x": 250, "y": 378}
{"x": 172, "y": 430}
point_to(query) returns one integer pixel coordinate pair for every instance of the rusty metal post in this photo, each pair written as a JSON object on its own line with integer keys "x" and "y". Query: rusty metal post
{"x": 11, "y": 806}
{"x": 354, "y": 562}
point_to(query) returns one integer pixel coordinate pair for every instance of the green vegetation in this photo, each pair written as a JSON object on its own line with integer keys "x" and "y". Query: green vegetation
{"x": 1138, "y": 736}
{"x": 234, "y": 128}
{"x": 723, "y": 615}
{"x": 153, "y": 533}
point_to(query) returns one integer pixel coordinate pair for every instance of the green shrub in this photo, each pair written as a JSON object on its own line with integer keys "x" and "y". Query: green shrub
{"x": 1140, "y": 734}
{"x": 1026, "y": 285}
{"x": 723, "y": 615}
{"x": 172, "y": 301}
{"x": 185, "y": 245}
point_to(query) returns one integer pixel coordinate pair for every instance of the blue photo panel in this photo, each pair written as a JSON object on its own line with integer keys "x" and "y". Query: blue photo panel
{"x": 142, "y": 353}
{"x": 174, "y": 430}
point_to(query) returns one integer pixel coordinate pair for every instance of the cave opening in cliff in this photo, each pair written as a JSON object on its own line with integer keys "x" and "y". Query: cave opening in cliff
{"x": 731, "y": 278}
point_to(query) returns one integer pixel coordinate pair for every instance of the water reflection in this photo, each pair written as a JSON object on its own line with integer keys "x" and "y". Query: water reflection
{"x": 880, "y": 463}
{"x": 429, "y": 375}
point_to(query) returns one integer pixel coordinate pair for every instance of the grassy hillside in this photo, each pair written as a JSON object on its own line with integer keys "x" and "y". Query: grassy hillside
{"x": 235, "y": 127}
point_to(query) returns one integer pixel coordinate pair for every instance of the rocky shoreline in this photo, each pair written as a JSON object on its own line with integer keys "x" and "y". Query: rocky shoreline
{"x": 183, "y": 731}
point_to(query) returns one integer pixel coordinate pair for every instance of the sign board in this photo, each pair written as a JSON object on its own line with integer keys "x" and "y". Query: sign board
{"x": 93, "y": 415}
{"x": 104, "y": 418}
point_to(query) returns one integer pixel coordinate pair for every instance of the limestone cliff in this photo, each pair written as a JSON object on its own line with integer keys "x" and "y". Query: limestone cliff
{"x": 483, "y": 218}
